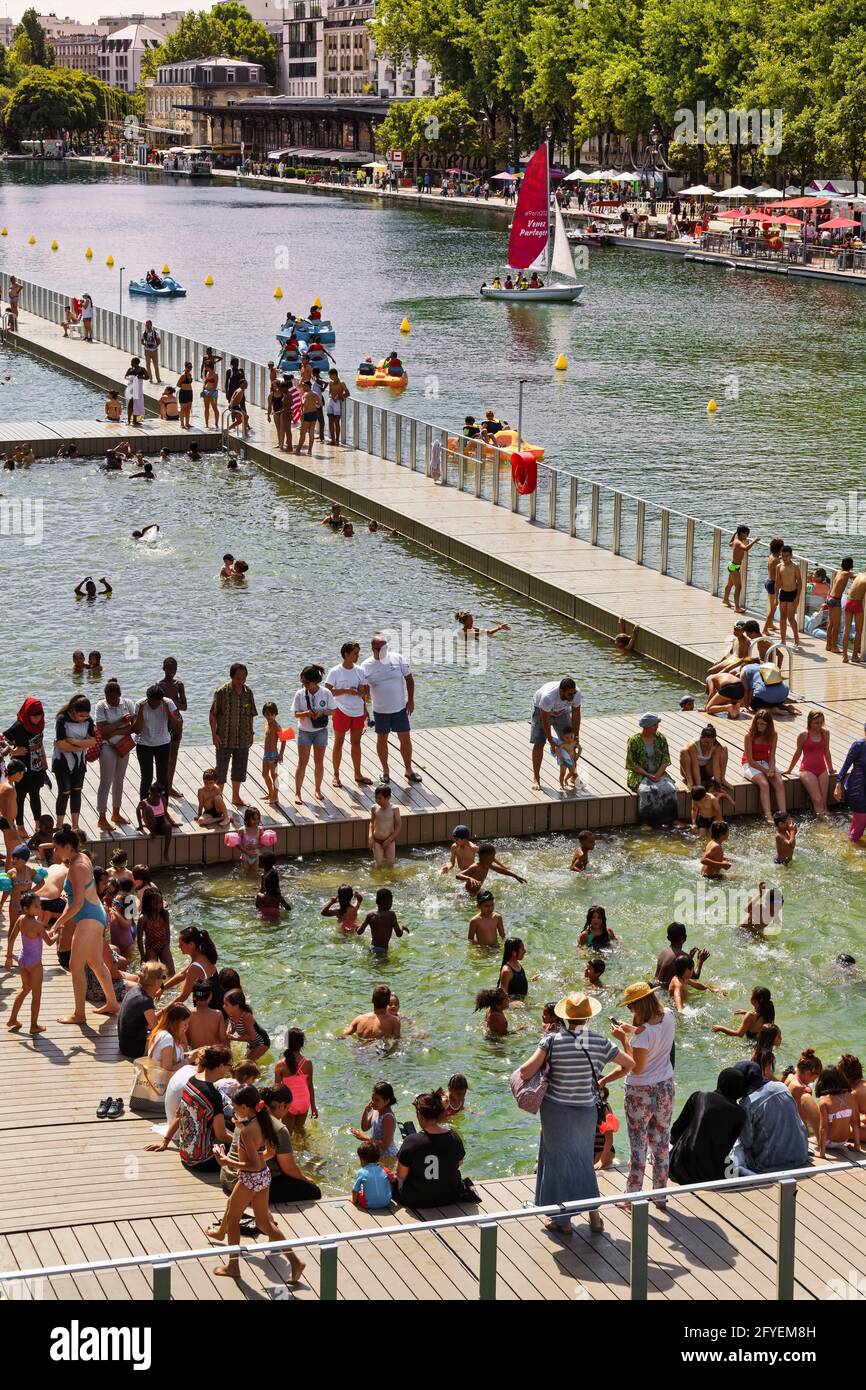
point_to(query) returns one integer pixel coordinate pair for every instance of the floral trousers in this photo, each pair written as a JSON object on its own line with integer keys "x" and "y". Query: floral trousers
{"x": 648, "y": 1111}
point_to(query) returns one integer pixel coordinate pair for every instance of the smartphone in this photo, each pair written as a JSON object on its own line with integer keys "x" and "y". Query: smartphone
{"x": 615, "y": 1021}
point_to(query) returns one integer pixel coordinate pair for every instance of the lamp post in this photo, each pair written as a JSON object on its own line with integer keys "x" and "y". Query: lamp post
{"x": 520, "y": 385}
{"x": 120, "y": 290}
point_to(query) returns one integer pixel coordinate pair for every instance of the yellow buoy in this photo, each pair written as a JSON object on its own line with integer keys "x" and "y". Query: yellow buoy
{"x": 54, "y": 246}
{"x": 712, "y": 407}
{"x": 278, "y": 294}
{"x": 4, "y": 231}
{"x": 31, "y": 240}
{"x": 208, "y": 279}
{"x": 89, "y": 254}
{"x": 109, "y": 261}
{"x": 404, "y": 326}
{"x": 561, "y": 362}
{"x": 165, "y": 270}
{"x": 317, "y": 303}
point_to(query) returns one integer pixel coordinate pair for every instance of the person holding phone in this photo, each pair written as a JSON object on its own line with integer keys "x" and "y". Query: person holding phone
{"x": 312, "y": 706}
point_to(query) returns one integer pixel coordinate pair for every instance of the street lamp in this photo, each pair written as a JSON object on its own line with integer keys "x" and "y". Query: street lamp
{"x": 120, "y": 290}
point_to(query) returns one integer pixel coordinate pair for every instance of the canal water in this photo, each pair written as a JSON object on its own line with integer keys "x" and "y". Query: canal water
{"x": 651, "y": 342}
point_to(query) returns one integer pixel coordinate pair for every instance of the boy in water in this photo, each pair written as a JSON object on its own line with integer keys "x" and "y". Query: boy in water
{"x": 384, "y": 826}
{"x": 228, "y": 569}
{"x": 593, "y": 973}
{"x": 707, "y": 804}
{"x": 212, "y": 813}
{"x": 486, "y": 927}
{"x": 383, "y": 924}
{"x": 580, "y": 860}
{"x": 833, "y": 602}
{"x": 854, "y": 609}
{"x": 89, "y": 587}
{"x": 274, "y": 750}
{"x": 786, "y": 837}
{"x": 789, "y": 582}
{"x": 762, "y": 910}
{"x": 623, "y": 641}
{"x": 463, "y": 849}
{"x": 486, "y": 861}
{"x": 740, "y": 547}
{"x": 714, "y": 861}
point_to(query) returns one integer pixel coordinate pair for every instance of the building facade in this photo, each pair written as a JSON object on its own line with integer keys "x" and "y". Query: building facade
{"x": 201, "y": 84}
{"x": 302, "y": 49}
{"x": 78, "y": 51}
{"x": 164, "y": 24}
{"x": 120, "y": 54}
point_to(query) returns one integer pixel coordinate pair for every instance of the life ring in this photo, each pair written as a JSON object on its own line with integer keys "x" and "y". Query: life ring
{"x": 524, "y": 472}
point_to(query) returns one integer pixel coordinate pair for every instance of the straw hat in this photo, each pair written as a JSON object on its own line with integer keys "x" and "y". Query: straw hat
{"x": 637, "y": 991}
{"x": 770, "y": 674}
{"x": 573, "y": 1008}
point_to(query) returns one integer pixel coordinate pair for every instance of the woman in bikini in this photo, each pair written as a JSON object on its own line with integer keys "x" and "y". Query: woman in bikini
{"x": 256, "y": 1146}
{"x": 839, "y": 1112}
{"x": 279, "y": 410}
{"x": 210, "y": 390}
{"x": 704, "y": 759}
{"x": 816, "y": 763}
{"x": 184, "y": 395}
{"x": 86, "y": 913}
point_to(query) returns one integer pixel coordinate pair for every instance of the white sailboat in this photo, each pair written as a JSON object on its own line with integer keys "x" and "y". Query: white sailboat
{"x": 531, "y": 245}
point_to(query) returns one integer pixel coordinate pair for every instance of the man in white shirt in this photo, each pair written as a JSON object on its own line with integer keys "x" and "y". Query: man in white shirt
{"x": 555, "y": 707}
{"x": 348, "y": 685}
{"x": 392, "y": 691}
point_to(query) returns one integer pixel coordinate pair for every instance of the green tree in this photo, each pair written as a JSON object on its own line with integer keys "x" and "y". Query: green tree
{"x": 41, "y": 53}
{"x": 227, "y": 29}
{"x": 45, "y": 104}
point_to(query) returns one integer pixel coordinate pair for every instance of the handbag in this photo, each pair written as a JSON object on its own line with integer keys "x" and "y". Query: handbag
{"x": 529, "y": 1094}
{"x": 92, "y": 754}
{"x": 317, "y": 721}
{"x": 124, "y": 745}
{"x": 149, "y": 1083}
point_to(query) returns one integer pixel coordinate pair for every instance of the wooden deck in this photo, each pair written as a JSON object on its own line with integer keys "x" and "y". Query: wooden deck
{"x": 96, "y": 436}
{"x": 479, "y": 774}
{"x": 74, "y": 1188}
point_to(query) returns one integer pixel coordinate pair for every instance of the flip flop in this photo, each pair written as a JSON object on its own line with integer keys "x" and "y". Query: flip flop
{"x": 413, "y": 777}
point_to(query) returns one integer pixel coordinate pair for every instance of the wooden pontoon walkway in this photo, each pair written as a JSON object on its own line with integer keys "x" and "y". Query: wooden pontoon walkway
{"x": 74, "y": 1188}
{"x": 97, "y": 436}
{"x": 479, "y": 774}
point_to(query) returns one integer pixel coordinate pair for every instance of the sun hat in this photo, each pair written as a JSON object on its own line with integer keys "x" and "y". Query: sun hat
{"x": 576, "y": 1007}
{"x": 648, "y": 721}
{"x": 637, "y": 991}
{"x": 770, "y": 674}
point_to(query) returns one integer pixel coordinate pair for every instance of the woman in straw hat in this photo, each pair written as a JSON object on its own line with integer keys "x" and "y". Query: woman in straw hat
{"x": 576, "y": 1058}
{"x": 649, "y": 1087}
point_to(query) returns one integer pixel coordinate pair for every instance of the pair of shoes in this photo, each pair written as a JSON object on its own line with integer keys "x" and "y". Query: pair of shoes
{"x": 109, "y": 1109}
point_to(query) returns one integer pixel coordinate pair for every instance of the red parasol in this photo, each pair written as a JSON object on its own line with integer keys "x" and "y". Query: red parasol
{"x": 838, "y": 224}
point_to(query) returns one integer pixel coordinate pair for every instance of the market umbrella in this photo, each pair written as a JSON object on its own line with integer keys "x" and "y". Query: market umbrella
{"x": 737, "y": 214}
{"x": 763, "y": 192}
{"x": 786, "y": 222}
{"x": 700, "y": 190}
{"x": 838, "y": 224}
{"x": 576, "y": 176}
{"x": 738, "y": 192}
{"x": 505, "y": 177}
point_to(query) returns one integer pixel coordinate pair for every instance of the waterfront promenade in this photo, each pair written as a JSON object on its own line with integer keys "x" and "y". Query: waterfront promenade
{"x": 106, "y": 1197}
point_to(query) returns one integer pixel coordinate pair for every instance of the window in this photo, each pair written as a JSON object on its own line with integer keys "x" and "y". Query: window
{"x": 230, "y": 74}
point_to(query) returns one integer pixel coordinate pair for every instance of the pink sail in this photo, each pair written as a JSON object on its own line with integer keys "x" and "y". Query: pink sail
{"x": 530, "y": 230}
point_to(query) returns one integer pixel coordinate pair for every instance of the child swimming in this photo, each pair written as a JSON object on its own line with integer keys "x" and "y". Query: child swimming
{"x": 713, "y": 860}
{"x": 786, "y": 837}
{"x": 495, "y": 1002}
{"x": 486, "y": 928}
{"x": 463, "y": 850}
{"x": 383, "y": 924}
{"x": 485, "y": 863}
{"x": 344, "y": 906}
{"x": 269, "y": 898}
{"x": 580, "y": 859}
{"x": 250, "y": 841}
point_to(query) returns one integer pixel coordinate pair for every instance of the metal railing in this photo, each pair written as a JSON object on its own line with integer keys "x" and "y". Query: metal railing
{"x": 488, "y": 1224}
{"x": 658, "y": 537}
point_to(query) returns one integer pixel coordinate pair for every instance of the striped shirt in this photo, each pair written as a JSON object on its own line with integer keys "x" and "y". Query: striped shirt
{"x": 570, "y": 1081}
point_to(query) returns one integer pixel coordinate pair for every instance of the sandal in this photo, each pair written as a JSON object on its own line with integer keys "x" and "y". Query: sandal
{"x": 413, "y": 777}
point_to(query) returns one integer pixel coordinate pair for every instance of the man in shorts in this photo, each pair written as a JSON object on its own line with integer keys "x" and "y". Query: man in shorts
{"x": 555, "y": 707}
{"x": 150, "y": 341}
{"x": 392, "y": 691}
{"x": 348, "y": 685}
{"x": 231, "y": 721}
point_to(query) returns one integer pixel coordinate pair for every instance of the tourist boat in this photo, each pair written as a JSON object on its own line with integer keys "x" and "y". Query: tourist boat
{"x": 188, "y": 161}
{"x": 588, "y": 236}
{"x": 168, "y": 289}
{"x": 529, "y": 241}
{"x": 368, "y": 375}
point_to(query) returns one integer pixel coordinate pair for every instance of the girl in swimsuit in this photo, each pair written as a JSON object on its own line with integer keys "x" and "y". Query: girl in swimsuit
{"x": 512, "y": 976}
{"x": 248, "y": 849}
{"x": 761, "y": 1015}
{"x": 279, "y": 411}
{"x": 257, "y": 1145}
{"x": 33, "y": 933}
{"x": 816, "y": 763}
{"x": 90, "y": 924}
{"x": 243, "y": 1026}
{"x": 210, "y": 391}
{"x": 295, "y": 1071}
{"x": 344, "y": 907}
{"x": 196, "y": 944}
{"x": 184, "y": 395}
{"x": 839, "y": 1112}
{"x": 596, "y": 934}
